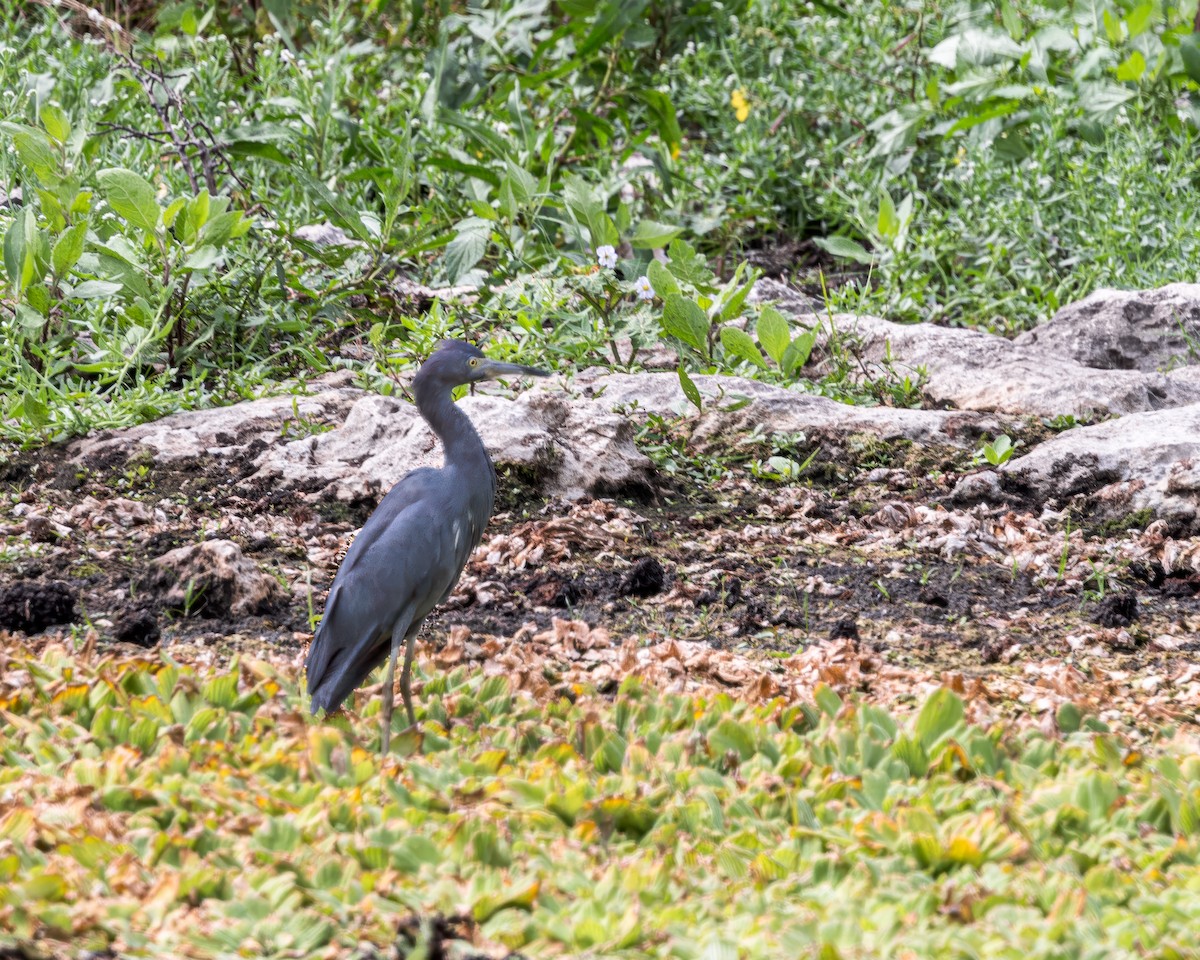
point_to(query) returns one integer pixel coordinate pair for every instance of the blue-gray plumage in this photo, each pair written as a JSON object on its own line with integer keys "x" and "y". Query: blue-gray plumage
{"x": 410, "y": 553}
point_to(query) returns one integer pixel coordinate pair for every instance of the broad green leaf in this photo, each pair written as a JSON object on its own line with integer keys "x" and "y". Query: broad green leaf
{"x": 90, "y": 289}
{"x": 55, "y": 121}
{"x": 131, "y": 196}
{"x": 690, "y": 390}
{"x": 828, "y": 700}
{"x": 798, "y": 351}
{"x": 202, "y": 258}
{"x": 68, "y": 248}
{"x": 222, "y": 228}
{"x": 30, "y": 319}
{"x": 1132, "y": 68}
{"x": 523, "y": 184}
{"x": 34, "y": 149}
{"x": 1189, "y": 52}
{"x": 773, "y": 332}
{"x": 741, "y": 345}
{"x": 940, "y": 714}
{"x": 467, "y": 248}
{"x": 661, "y": 279}
{"x": 36, "y": 412}
{"x": 1139, "y": 18}
{"x": 683, "y": 319}
{"x": 603, "y": 230}
{"x": 686, "y": 265}
{"x": 1068, "y": 717}
{"x": 845, "y": 248}
{"x": 651, "y": 235}
{"x": 38, "y": 297}
{"x": 195, "y": 216}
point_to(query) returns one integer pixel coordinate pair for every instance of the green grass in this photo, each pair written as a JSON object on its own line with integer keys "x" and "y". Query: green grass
{"x": 174, "y": 810}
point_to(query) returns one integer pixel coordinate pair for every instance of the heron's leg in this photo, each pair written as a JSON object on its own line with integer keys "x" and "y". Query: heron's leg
{"x": 406, "y": 674}
{"x": 389, "y": 690}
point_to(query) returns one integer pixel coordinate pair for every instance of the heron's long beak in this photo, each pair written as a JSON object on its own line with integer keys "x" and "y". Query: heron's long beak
{"x": 494, "y": 369}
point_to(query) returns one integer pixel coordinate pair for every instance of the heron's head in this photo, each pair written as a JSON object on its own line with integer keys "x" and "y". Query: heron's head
{"x": 455, "y": 362}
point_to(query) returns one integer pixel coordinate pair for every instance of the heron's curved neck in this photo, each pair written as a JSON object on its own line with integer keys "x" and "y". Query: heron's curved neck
{"x": 464, "y": 449}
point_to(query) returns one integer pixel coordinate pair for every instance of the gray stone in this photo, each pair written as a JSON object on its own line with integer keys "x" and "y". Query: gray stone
{"x": 1147, "y": 330}
{"x": 221, "y": 431}
{"x": 566, "y": 448}
{"x": 726, "y": 418}
{"x": 974, "y": 370}
{"x": 212, "y": 579}
{"x": 1148, "y": 461}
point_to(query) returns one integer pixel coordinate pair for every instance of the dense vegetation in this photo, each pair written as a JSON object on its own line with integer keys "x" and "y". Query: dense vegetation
{"x": 963, "y": 163}
{"x": 175, "y": 810}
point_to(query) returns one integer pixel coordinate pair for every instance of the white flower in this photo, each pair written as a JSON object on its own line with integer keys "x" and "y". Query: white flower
{"x": 642, "y": 288}
{"x": 606, "y": 256}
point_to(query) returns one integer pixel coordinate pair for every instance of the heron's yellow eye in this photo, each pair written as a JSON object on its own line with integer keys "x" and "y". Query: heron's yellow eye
{"x": 474, "y": 361}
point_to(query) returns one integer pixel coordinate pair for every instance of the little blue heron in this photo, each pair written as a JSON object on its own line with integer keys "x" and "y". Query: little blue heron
{"x": 409, "y": 555}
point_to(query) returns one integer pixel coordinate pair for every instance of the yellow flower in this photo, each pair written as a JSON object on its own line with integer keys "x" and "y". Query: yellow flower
{"x": 741, "y": 109}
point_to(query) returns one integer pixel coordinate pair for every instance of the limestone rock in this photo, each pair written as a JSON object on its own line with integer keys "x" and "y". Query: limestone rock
{"x": 1149, "y": 461}
{"x": 726, "y": 419}
{"x": 219, "y": 431}
{"x": 974, "y": 370}
{"x": 566, "y": 447}
{"x": 212, "y": 579}
{"x": 1147, "y": 330}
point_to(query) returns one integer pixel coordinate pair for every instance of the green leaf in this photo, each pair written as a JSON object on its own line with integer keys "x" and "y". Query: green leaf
{"x": 36, "y": 412}
{"x": 661, "y": 279}
{"x": 1132, "y": 68}
{"x": 68, "y": 248}
{"x": 887, "y": 223}
{"x": 683, "y": 319}
{"x": 613, "y": 16}
{"x": 773, "y": 333}
{"x": 38, "y": 297}
{"x": 845, "y": 248}
{"x": 55, "y": 121}
{"x": 202, "y": 258}
{"x": 666, "y": 122}
{"x": 34, "y": 149}
{"x": 523, "y": 184}
{"x": 467, "y": 248}
{"x": 940, "y": 714}
{"x": 131, "y": 196}
{"x": 740, "y": 344}
{"x": 686, "y": 265}
{"x": 1069, "y": 717}
{"x": 690, "y": 390}
{"x": 651, "y": 235}
{"x": 798, "y": 351}
{"x": 1189, "y": 52}
{"x": 828, "y": 700}
{"x": 90, "y": 289}
{"x": 20, "y": 250}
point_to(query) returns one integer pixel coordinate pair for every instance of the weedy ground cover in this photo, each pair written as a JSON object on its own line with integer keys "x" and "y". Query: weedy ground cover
{"x": 180, "y": 809}
{"x": 962, "y": 163}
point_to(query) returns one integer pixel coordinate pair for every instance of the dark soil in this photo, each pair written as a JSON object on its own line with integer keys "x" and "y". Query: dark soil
{"x": 742, "y": 566}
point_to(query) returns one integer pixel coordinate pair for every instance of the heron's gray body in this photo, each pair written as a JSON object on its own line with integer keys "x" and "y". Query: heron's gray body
{"x": 412, "y": 549}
